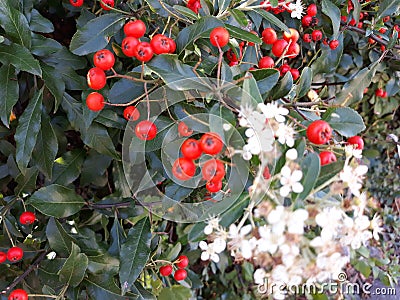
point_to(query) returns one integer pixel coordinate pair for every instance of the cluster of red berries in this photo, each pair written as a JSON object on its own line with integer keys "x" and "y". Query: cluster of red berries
{"x": 15, "y": 254}
{"x": 213, "y": 170}
{"x": 194, "y": 5}
{"x": 105, "y": 4}
{"x": 311, "y": 20}
{"x": 280, "y": 8}
{"x": 180, "y": 274}
{"x": 144, "y": 130}
{"x": 381, "y": 93}
{"x": 287, "y": 45}
{"x": 319, "y": 132}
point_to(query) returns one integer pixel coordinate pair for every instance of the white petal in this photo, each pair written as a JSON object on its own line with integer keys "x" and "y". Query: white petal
{"x": 297, "y": 187}
{"x": 208, "y": 229}
{"x": 219, "y": 245}
{"x": 215, "y": 258}
{"x": 291, "y": 154}
{"x": 203, "y": 245}
{"x": 285, "y": 171}
{"x": 297, "y": 175}
{"x": 205, "y": 256}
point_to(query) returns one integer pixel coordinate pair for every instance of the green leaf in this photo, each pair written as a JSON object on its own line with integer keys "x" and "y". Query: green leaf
{"x": 38, "y": 23}
{"x": 68, "y": 167}
{"x": 94, "y": 167}
{"x": 363, "y": 268}
{"x": 272, "y": 19}
{"x": 329, "y": 59}
{"x": 201, "y": 29}
{"x": 305, "y": 81}
{"x": 98, "y": 138}
{"x": 26, "y": 182}
{"x": 60, "y": 241}
{"x": 387, "y": 8}
{"x": 251, "y": 95}
{"x": 142, "y": 293}
{"x": 121, "y": 185}
{"x": 283, "y": 87}
{"x": 241, "y": 34}
{"x": 186, "y": 12}
{"x": 64, "y": 60}
{"x": 134, "y": 253}
{"x": 333, "y": 12}
{"x": 328, "y": 172}
{"x": 223, "y": 5}
{"x": 9, "y": 92}
{"x": 28, "y": 129}
{"x": 53, "y": 82}
{"x": 104, "y": 287}
{"x": 240, "y": 17}
{"x": 176, "y": 292}
{"x": 74, "y": 268}
{"x": 353, "y": 90}
{"x": 345, "y": 120}
{"x": 15, "y": 24}
{"x": 96, "y": 33}
{"x": 311, "y": 168}
{"x": 266, "y": 79}
{"x": 73, "y": 108}
{"x": 20, "y": 58}
{"x": 56, "y": 201}
{"x": 103, "y": 262}
{"x": 42, "y": 46}
{"x": 124, "y": 91}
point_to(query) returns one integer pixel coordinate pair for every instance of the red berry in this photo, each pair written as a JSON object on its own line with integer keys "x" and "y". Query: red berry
{"x": 360, "y": 25}
{"x": 327, "y": 157}
{"x": 180, "y": 274}
{"x": 306, "y": 21}
{"x": 357, "y": 141}
{"x": 76, "y": 3}
{"x": 96, "y": 78}
{"x": 103, "y": 4}
{"x": 333, "y": 44}
{"x": 3, "y": 257}
{"x": 319, "y": 132}
{"x": 131, "y": 113}
{"x": 213, "y": 169}
{"x": 386, "y": 19}
{"x": 135, "y": 28}
{"x": 183, "y": 262}
{"x": 292, "y": 36}
{"x": 211, "y": 143}
{"x": 266, "y": 173}
{"x": 316, "y": 35}
{"x": 15, "y": 254}
{"x": 284, "y": 69}
{"x": 27, "y": 218}
{"x": 172, "y": 45}
{"x": 343, "y": 19}
{"x": 379, "y": 92}
{"x": 307, "y": 38}
{"x": 231, "y": 56}
{"x": 233, "y": 63}
{"x": 194, "y": 5}
{"x": 352, "y": 22}
{"x": 184, "y": 130}
{"x": 385, "y": 94}
{"x": 166, "y": 270}
{"x": 128, "y": 46}
{"x": 183, "y": 168}
{"x": 266, "y": 62}
{"x": 219, "y": 37}
{"x": 382, "y": 30}
{"x": 95, "y": 101}
{"x": 146, "y": 130}
{"x": 312, "y": 10}
{"x": 104, "y": 59}
{"x": 18, "y": 295}
{"x": 191, "y": 149}
{"x": 295, "y": 73}
{"x": 269, "y": 36}
{"x": 214, "y": 186}
{"x": 279, "y": 47}
{"x": 293, "y": 50}
{"x": 383, "y": 47}
{"x": 160, "y": 44}
{"x": 143, "y": 51}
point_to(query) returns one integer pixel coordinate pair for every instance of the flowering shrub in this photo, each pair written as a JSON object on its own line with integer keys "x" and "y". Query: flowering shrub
{"x": 197, "y": 149}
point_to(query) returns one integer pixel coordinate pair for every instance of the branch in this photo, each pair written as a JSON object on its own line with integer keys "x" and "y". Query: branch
{"x": 372, "y": 36}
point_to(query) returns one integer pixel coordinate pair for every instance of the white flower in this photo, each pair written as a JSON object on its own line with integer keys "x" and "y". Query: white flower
{"x": 290, "y": 181}
{"x": 291, "y": 154}
{"x": 285, "y": 134}
{"x": 296, "y": 221}
{"x": 375, "y": 225}
{"x": 330, "y": 219}
{"x": 238, "y": 241}
{"x": 297, "y": 9}
{"x": 259, "y": 276}
{"x": 269, "y": 241}
{"x": 208, "y": 252}
{"x": 219, "y": 245}
{"x": 272, "y": 110}
{"x": 353, "y": 177}
{"x": 212, "y": 224}
{"x": 351, "y": 151}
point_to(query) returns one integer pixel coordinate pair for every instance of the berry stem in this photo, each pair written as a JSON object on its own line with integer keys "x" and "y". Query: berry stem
{"x": 115, "y": 9}
{"x": 9, "y": 235}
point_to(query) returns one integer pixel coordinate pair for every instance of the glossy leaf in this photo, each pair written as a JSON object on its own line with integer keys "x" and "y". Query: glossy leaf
{"x": 15, "y": 24}
{"x": 38, "y": 23}
{"x": 20, "y": 58}
{"x": 68, "y": 167}
{"x": 56, "y": 201}
{"x": 104, "y": 287}
{"x": 53, "y": 83}
{"x": 26, "y": 182}
{"x": 345, "y": 120}
{"x": 311, "y": 168}
{"x": 8, "y": 92}
{"x": 272, "y": 19}
{"x": 60, "y": 241}
{"x": 305, "y": 81}
{"x": 74, "y": 268}
{"x": 176, "y": 292}
{"x": 98, "y": 138}
{"x": 333, "y": 12}
{"x": 241, "y": 34}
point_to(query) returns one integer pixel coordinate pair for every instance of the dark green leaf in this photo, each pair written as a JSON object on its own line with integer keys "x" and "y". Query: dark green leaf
{"x": 345, "y": 120}
{"x": 142, "y": 293}
{"x": 73, "y": 81}
{"x": 333, "y": 12}
{"x": 19, "y": 57}
{"x": 96, "y": 33}
{"x": 8, "y": 92}
{"x": 121, "y": 184}
{"x": 329, "y": 59}
{"x": 328, "y": 172}
{"x": 26, "y": 182}
{"x": 53, "y": 82}
{"x": 283, "y": 87}
{"x": 124, "y": 91}
{"x": 64, "y": 60}
{"x": 305, "y": 81}
{"x": 28, "y": 130}
{"x": 251, "y": 95}
{"x": 272, "y": 19}
{"x": 266, "y": 79}
{"x": 74, "y": 268}
{"x": 240, "y": 17}
{"x": 94, "y": 167}
{"x": 38, "y": 23}
{"x": 42, "y": 46}
{"x": 118, "y": 237}
{"x": 223, "y": 5}
{"x": 98, "y": 138}
{"x": 60, "y": 241}
{"x": 110, "y": 118}
{"x": 241, "y": 34}
{"x": 103, "y": 263}
{"x": 186, "y": 12}
{"x": 15, "y": 24}
{"x": 104, "y": 287}
{"x": 387, "y": 8}
{"x": 74, "y": 111}
{"x": 68, "y": 167}
{"x": 57, "y": 201}
{"x": 134, "y": 253}
{"x": 176, "y": 292}
{"x": 311, "y": 168}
